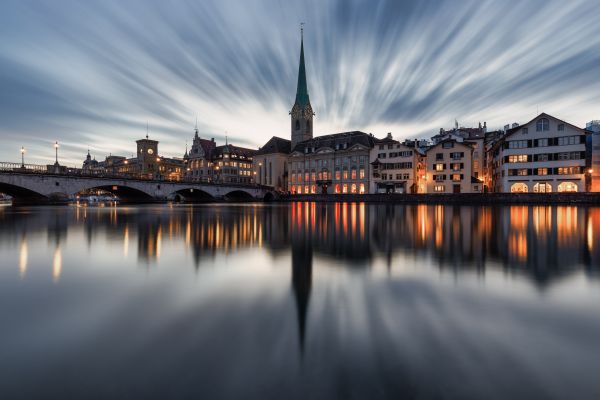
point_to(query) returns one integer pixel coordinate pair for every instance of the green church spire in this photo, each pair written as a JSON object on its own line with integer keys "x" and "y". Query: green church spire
{"x": 302, "y": 89}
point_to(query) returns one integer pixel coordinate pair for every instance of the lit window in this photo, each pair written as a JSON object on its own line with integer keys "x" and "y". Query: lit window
{"x": 353, "y": 188}
{"x": 439, "y": 188}
{"x": 345, "y": 188}
{"x": 362, "y": 188}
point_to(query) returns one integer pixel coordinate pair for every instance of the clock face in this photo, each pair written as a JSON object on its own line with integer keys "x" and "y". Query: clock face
{"x": 296, "y": 112}
{"x": 150, "y": 151}
{"x": 308, "y": 112}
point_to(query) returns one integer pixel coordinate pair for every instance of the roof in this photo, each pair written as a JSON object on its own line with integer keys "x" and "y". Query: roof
{"x": 466, "y": 144}
{"x": 351, "y": 138}
{"x": 232, "y": 150}
{"x": 276, "y": 145}
{"x": 542, "y": 115}
{"x": 302, "y": 88}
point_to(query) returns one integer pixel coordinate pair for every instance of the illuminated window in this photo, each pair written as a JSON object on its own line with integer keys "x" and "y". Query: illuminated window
{"x": 362, "y": 188}
{"x": 439, "y": 188}
{"x": 353, "y": 188}
{"x": 353, "y": 174}
{"x": 306, "y": 189}
{"x": 313, "y": 189}
{"x": 362, "y": 173}
{"x": 345, "y": 173}
{"x": 337, "y": 174}
{"x": 567, "y": 187}
{"x": 542, "y": 188}
{"x": 519, "y": 187}
{"x": 438, "y": 167}
{"x": 337, "y": 187}
{"x": 345, "y": 188}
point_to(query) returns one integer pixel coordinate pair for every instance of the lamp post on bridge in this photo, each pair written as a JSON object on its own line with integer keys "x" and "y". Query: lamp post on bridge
{"x": 56, "y": 164}
{"x": 22, "y": 157}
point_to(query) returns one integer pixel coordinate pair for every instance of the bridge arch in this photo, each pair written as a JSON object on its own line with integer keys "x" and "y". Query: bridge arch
{"x": 126, "y": 194}
{"x": 239, "y": 195}
{"x": 270, "y": 196}
{"x": 21, "y": 195}
{"x": 191, "y": 195}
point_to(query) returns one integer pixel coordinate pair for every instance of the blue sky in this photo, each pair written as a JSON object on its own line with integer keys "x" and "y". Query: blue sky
{"x": 91, "y": 73}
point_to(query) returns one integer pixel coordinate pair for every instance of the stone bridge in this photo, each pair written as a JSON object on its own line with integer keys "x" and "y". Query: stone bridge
{"x": 30, "y": 187}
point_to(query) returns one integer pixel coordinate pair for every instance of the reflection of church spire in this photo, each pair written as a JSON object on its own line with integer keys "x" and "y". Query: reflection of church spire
{"x": 301, "y": 282}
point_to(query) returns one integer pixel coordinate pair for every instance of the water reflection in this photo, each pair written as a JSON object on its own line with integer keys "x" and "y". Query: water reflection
{"x": 243, "y": 264}
{"x": 541, "y": 242}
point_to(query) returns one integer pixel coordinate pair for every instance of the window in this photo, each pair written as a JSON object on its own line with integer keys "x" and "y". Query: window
{"x": 519, "y": 187}
{"x": 362, "y": 173}
{"x": 313, "y": 189}
{"x": 381, "y": 147}
{"x": 353, "y": 173}
{"x": 457, "y": 155}
{"x": 381, "y": 155}
{"x": 361, "y": 189}
{"x": 448, "y": 145}
{"x": 516, "y": 158}
{"x": 345, "y": 173}
{"x": 475, "y": 164}
{"x": 398, "y": 177}
{"x": 337, "y": 174}
{"x": 439, "y": 156}
{"x": 542, "y": 157}
{"x": 405, "y": 153}
{"x": 568, "y": 171}
{"x": 543, "y": 187}
{"x": 406, "y": 176}
{"x": 439, "y": 188}
{"x": 439, "y": 178}
{"x": 390, "y": 146}
{"x": 561, "y": 127}
{"x": 542, "y": 171}
{"x": 337, "y": 188}
{"x": 353, "y": 188}
{"x": 542, "y": 125}
{"x": 566, "y": 140}
{"x": 456, "y": 166}
{"x": 567, "y": 187}
{"x": 542, "y": 142}
{"x": 517, "y": 144}
{"x": 439, "y": 167}
{"x": 525, "y": 131}
{"x": 522, "y": 172}
{"x": 345, "y": 188}
{"x": 456, "y": 177}
{"x": 306, "y": 189}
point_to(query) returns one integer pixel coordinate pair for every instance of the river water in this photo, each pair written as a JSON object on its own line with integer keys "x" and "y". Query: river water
{"x": 297, "y": 301}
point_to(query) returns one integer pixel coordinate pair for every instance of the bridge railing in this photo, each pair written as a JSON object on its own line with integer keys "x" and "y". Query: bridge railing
{"x": 60, "y": 170}
{"x": 16, "y": 167}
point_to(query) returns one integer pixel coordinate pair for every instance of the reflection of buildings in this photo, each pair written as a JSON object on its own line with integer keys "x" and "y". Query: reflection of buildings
{"x": 543, "y": 242}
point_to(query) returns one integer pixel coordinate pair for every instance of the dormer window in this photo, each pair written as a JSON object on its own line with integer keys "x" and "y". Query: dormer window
{"x": 542, "y": 125}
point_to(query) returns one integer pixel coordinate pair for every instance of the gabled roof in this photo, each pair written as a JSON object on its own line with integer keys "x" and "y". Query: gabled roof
{"x": 542, "y": 115}
{"x": 276, "y": 145}
{"x": 466, "y": 144}
{"x": 350, "y": 139}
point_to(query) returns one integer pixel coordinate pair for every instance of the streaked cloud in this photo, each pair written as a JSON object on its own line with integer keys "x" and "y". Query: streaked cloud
{"x": 90, "y": 74}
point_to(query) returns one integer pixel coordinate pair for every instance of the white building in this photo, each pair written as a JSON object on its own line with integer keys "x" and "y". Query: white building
{"x": 544, "y": 155}
{"x": 449, "y": 168}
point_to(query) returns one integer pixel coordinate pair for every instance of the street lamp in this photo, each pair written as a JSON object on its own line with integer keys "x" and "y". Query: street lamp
{"x": 56, "y": 152}
{"x": 22, "y": 157}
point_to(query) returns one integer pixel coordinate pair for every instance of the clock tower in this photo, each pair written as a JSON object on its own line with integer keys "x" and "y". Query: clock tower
{"x": 147, "y": 156}
{"x": 302, "y": 112}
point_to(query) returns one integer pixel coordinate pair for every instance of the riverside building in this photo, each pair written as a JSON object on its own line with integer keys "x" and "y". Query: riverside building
{"x": 396, "y": 167}
{"x": 544, "y": 155}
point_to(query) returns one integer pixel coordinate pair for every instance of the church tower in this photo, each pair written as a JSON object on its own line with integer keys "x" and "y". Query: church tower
{"x": 302, "y": 113}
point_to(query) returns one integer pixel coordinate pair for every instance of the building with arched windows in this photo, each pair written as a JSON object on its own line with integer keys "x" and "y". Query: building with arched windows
{"x": 544, "y": 155}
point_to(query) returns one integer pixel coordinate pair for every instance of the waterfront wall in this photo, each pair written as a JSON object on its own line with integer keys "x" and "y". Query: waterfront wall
{"x": 452, "y": 198}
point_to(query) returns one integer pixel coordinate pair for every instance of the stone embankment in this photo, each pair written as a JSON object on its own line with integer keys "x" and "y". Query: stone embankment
{"x": 455, "y": 199}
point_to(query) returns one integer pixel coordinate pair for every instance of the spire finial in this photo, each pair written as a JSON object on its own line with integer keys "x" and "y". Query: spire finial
{"x": 302, "y": 30}
{"x": 147, "y": 129}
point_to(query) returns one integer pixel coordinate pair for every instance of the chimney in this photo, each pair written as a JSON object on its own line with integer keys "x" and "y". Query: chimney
{"x": 485, "y": 126}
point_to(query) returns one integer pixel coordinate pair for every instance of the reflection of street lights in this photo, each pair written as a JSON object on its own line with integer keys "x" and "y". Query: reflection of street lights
{"x": 22, "y": 157}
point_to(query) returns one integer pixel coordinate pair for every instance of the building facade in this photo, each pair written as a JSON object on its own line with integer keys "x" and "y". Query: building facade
{"x": 544, "y": 155}
{"x": 396, "y": 167}
{"x": 449, "y": 168}
{"x": 271, "y": 163}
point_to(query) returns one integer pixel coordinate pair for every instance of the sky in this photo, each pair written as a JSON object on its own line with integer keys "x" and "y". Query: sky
{"x": 94, "y": 74}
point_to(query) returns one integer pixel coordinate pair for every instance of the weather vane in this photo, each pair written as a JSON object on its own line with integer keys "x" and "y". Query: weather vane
{"x": 302, "y": 29}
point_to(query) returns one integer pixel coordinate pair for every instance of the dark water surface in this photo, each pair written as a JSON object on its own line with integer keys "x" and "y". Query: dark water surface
{"x": 300, "y": 301}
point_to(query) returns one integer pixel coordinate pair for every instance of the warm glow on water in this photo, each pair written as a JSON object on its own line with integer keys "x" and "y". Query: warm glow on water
{"x": 304, "y": 300}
